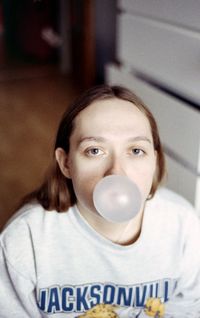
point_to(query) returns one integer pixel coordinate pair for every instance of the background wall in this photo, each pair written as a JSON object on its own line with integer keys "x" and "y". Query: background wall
{"x": 158, "y": 48}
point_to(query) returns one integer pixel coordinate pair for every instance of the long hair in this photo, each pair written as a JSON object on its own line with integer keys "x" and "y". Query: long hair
{"x": 56, "y": 192}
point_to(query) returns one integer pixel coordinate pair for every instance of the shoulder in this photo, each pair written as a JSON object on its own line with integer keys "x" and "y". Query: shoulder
{"x": 169, "y": 200}
{"x": 30, "y": 223}
{"x": 170, "y": 197}
{"x": 171, "y": 220}
{"x": 16, "y": 242}
{"x": 173, "y": 209}
{"x": 28, "y": 214}
{"x": 32, "y": 216}
{"x": 17, "y": 228}
{"x": 24, "y": 233}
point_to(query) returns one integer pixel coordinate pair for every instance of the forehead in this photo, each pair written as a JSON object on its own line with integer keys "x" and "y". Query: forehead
{"x": 112, "y": 116}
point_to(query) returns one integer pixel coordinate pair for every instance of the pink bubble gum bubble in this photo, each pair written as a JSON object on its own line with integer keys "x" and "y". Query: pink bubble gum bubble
{"x": 117, "y": 198}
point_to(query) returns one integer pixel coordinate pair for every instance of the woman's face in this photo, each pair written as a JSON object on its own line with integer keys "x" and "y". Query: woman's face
{"x": 110, "y": 137}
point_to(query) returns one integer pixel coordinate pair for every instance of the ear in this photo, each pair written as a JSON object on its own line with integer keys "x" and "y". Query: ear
{"x": 62, "y": 160}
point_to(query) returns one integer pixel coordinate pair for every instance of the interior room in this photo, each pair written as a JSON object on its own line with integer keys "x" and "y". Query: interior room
{"x": 100, "y": 184}
{"x": 50, "y": 51}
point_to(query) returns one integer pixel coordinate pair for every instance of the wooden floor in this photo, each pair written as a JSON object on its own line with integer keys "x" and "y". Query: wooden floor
{"x": 32, "y": 100}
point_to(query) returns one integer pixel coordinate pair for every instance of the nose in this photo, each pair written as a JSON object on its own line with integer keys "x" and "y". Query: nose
{"x": 115, "y": 167}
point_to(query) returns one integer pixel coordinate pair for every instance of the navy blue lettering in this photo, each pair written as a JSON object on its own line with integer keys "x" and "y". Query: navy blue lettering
{"x": 42, "y": 299}
{"x": 109, "y": 294}
{"x": 94, "y": 292}
{"x": 66, "y": 304}
{"x": 124, "y": 296}
{"x": 81, "y": 299}
{"x": 153, "y": 290}
{"x": 140, "y": 299}
{"x": 157, "y": 286}
{"x": 166, "y": 291}
{"x": 53, "y": 301}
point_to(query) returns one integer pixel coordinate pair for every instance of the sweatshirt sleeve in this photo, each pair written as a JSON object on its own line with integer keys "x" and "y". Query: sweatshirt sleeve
{"x": 185, "y": 302}
{"x": 17, "y": 288}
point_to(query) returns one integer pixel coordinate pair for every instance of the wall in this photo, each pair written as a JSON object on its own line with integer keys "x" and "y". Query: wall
{"x": 158, "y": 47}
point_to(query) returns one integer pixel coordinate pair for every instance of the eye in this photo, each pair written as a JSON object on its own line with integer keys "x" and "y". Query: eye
{"x": 138, "y": 152}
{"x": 92, "y": 152}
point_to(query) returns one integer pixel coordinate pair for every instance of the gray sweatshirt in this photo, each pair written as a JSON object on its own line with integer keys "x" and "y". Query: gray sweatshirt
{"x": 56, "y": 265}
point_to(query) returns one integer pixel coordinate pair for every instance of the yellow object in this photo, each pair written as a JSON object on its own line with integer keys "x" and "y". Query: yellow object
{"x": 154, "y": 308}
{"x": 100, "y": 311}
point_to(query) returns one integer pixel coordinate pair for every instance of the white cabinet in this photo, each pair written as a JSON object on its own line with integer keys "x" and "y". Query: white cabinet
{"x": 158, "y": 47}
{"x": 179, "y": 127}
{"x": 167, "y": 53}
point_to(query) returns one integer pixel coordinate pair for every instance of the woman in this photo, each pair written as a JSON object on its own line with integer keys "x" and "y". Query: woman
{"x": 76, "y": 262}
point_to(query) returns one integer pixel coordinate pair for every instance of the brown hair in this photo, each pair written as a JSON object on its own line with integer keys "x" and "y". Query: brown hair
{"x": 56, "y": 193}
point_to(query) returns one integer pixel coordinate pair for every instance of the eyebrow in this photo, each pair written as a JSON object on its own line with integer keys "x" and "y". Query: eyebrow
{"x": 102, "y": 139}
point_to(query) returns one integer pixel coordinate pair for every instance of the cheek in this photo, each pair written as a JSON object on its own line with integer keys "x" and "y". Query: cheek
{"x": 143, "y": 176}
{"x": 84, "y": 180}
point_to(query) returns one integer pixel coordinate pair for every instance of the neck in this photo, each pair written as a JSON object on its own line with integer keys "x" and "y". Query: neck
{"x": 124, "y": 233}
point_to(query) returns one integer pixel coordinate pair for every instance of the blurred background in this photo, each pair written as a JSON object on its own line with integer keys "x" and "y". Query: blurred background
{"x": 52, "y": 50}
